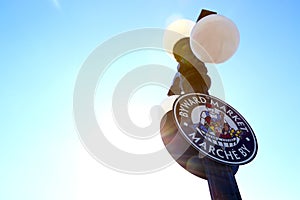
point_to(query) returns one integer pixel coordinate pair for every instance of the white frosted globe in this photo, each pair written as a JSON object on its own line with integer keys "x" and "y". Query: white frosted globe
{"x": 175, "y": 31}
{"x": 214, "y": 39}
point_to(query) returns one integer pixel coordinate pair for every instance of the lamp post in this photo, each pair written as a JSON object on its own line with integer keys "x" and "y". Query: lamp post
{"x": 206, "y": 136}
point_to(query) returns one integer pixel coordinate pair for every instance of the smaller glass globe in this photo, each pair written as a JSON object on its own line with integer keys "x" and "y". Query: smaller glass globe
{"x": 214, "y": 39}
{"x": 175, "y": 31}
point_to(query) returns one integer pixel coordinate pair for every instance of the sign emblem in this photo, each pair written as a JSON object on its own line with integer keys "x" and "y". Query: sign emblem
{"x": 215, "y": 128}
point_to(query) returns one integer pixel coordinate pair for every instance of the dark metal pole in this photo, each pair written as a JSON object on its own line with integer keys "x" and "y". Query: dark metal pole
{"x": 221, "y": 181}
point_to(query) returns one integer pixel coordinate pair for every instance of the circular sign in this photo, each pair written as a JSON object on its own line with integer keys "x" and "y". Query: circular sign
{"x": 215, "y": 129}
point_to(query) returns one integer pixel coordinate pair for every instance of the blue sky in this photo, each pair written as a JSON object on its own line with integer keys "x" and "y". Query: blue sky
{"x": 43, "y": 46}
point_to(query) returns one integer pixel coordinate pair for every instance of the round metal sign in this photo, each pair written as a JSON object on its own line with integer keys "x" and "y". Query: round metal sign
{"x": 215, "y": 129}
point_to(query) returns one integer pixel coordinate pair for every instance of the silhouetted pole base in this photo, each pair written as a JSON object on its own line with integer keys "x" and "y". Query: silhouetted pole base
{"x": 221, "y": 181}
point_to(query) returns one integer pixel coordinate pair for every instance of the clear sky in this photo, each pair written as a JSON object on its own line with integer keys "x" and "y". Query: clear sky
{"x": 43, "y": 46}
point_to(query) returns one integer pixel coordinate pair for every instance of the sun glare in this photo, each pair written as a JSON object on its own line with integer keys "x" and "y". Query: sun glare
{"x": 56, "y": 4}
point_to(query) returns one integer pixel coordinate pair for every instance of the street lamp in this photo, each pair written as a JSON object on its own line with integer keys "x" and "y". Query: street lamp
{"x": 204, "y": 134}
